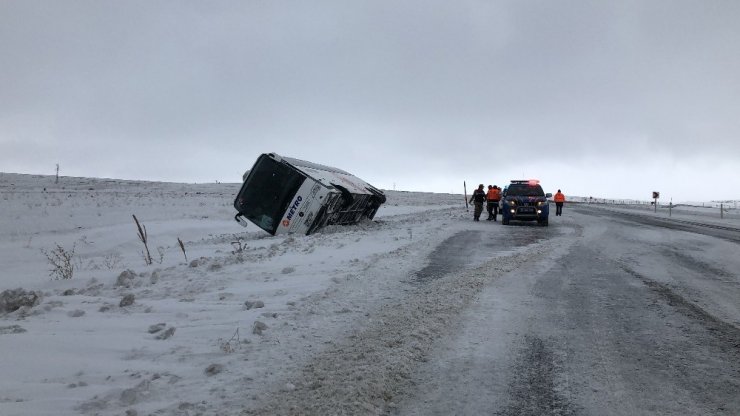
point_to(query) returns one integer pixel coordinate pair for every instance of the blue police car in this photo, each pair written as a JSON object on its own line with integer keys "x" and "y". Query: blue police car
{"x": 524, "y": 200}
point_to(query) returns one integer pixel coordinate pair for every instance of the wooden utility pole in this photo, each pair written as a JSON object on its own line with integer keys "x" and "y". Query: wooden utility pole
{"x": 465, "y": 192}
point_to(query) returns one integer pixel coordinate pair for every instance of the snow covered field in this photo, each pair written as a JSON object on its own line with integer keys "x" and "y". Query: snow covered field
{"x": 201, "y": 333}
{"x": 221, "y": 327}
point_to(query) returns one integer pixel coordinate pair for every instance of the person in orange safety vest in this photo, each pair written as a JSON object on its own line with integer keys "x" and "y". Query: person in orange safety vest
{"x": 559, "y": 199}
{"x": 492, "y": 199}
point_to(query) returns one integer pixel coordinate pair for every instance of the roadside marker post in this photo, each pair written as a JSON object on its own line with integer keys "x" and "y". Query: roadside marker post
{"x": 465, "y": 191}
{"x": 656, "y": 195}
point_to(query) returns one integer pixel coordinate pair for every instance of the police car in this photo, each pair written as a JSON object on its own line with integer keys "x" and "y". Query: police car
{"x": 524, "y": 200}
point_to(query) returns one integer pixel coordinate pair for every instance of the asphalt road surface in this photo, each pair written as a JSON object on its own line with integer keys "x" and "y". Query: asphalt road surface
{"x": 608, "y": 314}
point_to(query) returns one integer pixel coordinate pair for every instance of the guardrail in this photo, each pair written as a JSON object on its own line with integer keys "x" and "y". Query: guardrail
{"x": 727, "y": 210}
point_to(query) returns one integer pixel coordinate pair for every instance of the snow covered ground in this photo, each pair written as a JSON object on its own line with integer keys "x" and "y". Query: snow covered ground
{"x": 219, "y": 327}
{"x": 203, "y": 332}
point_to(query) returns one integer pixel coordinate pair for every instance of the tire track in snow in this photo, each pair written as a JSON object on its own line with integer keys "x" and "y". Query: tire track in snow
{"x": 726, "y": 331}
{"x": 364, "y": 373}
{"x": 534, "y": 391}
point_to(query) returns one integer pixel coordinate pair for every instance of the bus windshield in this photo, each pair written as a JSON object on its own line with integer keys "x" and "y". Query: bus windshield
{"x": 267, "y": 192}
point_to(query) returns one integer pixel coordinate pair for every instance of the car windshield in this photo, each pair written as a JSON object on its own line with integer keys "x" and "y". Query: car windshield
{"x": 267, "y": 192}
{"x": 524, "y": 190}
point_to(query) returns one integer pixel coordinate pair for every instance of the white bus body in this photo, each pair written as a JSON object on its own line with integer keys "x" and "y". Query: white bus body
{"x": 285, "y": 195}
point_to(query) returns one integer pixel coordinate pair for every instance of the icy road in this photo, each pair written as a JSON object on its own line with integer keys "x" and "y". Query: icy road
{"x": 602, "y": 313}
{"x": 613, "y": 314}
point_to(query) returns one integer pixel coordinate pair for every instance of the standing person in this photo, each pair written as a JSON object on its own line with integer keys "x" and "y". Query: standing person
{"x": 559, "y": 198}
{"x": 492, "y": 198}
{"x": 496, "y": 199}
{"x": 477, "y": 199}
{"x": 489, "y": 203}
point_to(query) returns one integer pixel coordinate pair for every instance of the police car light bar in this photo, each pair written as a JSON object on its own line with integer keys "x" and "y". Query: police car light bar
{"x": 530, "y": 182}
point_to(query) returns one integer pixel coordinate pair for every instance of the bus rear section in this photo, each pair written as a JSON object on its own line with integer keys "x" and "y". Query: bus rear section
{"x": 285, "y": 195}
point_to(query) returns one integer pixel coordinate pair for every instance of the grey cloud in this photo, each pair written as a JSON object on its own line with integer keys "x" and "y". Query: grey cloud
{"x": 423, "y": 84}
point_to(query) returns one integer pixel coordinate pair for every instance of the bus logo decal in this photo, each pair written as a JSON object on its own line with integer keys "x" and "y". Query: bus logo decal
{"x": 291, "y": 212}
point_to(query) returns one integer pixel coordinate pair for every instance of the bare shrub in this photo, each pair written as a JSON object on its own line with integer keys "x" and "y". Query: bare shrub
{"x": 143, "y": 238}
{"x": 112, "y": 261}
{"x": 62, "y": 262}
{"x": 182, "y": 247}
{"x": 232, "y": 344}
{"x": 160, "y": 251}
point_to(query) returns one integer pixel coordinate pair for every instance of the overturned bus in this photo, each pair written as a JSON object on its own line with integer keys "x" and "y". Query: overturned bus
{"x": 285, "y": 195}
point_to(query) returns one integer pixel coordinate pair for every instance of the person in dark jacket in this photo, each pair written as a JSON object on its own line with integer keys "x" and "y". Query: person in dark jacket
{"x": 477, "y": 199}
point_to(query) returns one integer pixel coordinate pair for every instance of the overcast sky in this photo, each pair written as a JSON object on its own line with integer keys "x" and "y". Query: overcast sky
{"x": 599, "y": 98}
